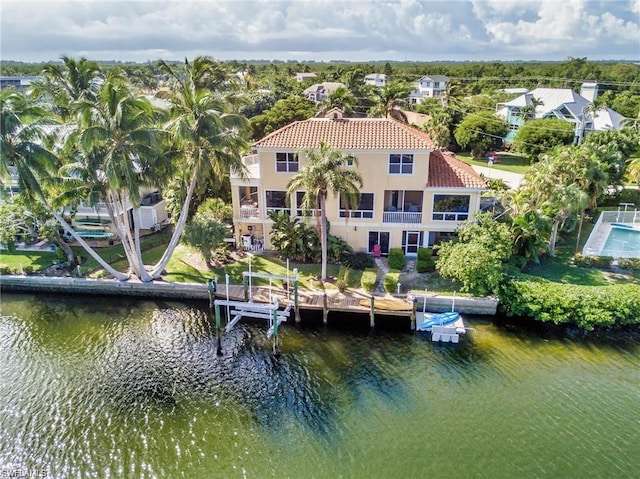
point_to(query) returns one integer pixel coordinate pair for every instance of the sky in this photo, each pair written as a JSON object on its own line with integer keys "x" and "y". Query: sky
{"x": 320, "y": 30}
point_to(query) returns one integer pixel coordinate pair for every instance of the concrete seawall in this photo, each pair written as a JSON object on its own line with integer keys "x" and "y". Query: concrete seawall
{"x": 160, "y": 289}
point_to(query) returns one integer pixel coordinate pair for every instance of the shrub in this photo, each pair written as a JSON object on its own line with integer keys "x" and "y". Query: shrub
{"x": 396, "y": 258}
{"x": 425, "y": 253}
{"x": 342, "y": 285}
{"x": 629, "y": 263}
{"x": 369, "y": 279}
{"x": 584, "y": 306}
{"x": 391, "y": 281}
{"x": 425, "y": 265}
{"x": 29, "y": 270}
{"x": 359, "y": 261}
{"x": 601, "y": 261}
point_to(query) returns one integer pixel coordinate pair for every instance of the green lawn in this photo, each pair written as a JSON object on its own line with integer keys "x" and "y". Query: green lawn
{"x": 507, "y": 162}
{"x": 27, "y": 259}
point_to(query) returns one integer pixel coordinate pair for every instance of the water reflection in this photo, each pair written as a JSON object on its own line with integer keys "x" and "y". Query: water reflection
{"x": 94, "y": 388}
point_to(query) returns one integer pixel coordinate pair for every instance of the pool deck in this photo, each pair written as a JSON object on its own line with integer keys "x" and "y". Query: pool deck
{"x": 596, "y": 242}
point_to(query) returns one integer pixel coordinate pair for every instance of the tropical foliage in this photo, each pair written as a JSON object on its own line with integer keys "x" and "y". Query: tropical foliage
{"x": 325, "y": 172}
{"x": 481, "y": 132}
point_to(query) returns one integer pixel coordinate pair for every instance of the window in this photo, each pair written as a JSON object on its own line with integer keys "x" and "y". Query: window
{"x": 436, "y": 237}
{"x": 379, "y": 238}
{"x": 277, "y": 201}
{"x": 411, "y": 241}
{"x": 287, "y": 162}
{"x": 363, "y": 210}
{"x": 450, "y": 207}
{"x": 400, "y": 164}
{"x": 349, "y": 162}
{"x": 299, "y": 210}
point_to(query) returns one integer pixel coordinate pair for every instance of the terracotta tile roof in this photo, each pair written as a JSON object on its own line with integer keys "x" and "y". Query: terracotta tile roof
{"x": 446, "y": 171}
{"x": 347, "y": 134}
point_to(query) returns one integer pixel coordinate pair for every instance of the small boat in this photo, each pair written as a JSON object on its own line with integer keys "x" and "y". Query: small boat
{"x": 441, "y": 319}
{"x": 444, "y": 327}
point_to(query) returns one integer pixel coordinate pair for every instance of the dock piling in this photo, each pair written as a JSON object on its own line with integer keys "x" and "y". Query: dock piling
{"x": 372, "y": 312}
{"x": 414, "y": 309}
{"x": 325, "y": 309}
{"x": 296, "y": 299}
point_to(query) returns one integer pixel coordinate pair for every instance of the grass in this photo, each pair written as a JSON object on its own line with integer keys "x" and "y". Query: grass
{"x": 507, "y": 162}
{"x": 27, "y": 259}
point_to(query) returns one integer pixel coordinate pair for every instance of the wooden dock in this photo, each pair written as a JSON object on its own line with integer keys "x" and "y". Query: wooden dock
{"x": 349, "y": 301}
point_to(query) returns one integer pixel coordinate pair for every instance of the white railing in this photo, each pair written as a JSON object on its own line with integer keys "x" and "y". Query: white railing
{"x": 250, "y": 160}
{"x": 620, "y": 217}
{"x": 401, "y": 217}
{"x": 249, "y": 212}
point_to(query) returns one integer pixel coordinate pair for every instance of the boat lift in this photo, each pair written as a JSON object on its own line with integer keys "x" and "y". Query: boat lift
{"x": 237, "y": 310}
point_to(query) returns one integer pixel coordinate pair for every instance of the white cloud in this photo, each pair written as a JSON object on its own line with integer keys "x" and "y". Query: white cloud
{"x": 330, "y": 29}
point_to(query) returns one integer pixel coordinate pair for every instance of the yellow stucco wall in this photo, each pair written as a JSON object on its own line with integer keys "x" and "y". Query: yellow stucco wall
{"x": 373, "y": 167}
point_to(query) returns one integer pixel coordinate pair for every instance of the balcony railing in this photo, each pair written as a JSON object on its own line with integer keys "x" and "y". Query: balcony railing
{"x": 402, "y": 217}
{"x": 248, "y": 212}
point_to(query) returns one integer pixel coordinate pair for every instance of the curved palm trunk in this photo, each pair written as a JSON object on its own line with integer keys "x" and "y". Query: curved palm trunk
{"x": 157, "y": 270}
{"x": 323, "y": 236}
{"x": 144, "y": 275}
{"x": 554, "y": 237}
{"x": 107, "y": 267}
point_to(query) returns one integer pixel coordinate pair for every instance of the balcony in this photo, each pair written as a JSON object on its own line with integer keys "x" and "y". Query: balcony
{"x": 249, "y": 212}
{"x": 402, "y": 217}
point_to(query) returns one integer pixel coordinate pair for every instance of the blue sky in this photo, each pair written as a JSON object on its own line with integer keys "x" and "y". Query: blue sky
{"x": 321, "y": 30}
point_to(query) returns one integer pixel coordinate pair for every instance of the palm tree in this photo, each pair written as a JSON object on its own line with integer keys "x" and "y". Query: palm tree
{"x": 36, "y": 167}
{"x": 340, "y": 98}
{"x": 323, "y": 172}
{"x": 204, "y": 128}
{"x": 388, "y": 101}
{"x": 71, "y": 81}
{"x": 118, "y": 139}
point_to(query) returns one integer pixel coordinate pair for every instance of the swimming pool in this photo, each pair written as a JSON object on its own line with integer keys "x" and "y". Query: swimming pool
{"x": 623, "y": 242}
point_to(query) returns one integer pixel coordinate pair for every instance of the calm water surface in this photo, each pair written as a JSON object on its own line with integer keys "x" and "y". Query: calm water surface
{"x": 96, "y": 387}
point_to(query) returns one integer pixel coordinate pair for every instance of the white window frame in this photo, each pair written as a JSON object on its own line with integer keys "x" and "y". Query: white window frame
{"x": 290, "y": 159}
{"x": 404, "y": 161}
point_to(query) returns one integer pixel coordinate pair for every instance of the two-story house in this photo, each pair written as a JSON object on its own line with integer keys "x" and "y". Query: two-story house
{"x": 413, "y": 195}
{"x": 562, "y": 103}
{"x": 377, "y": 80}
{"x": 429, "y": 86}
{"x": 319, "y": 91}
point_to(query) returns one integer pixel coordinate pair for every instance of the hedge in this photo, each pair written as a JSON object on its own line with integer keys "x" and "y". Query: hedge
{"x": 396, "y": 258}
{"x": 425, "y": 253}
{"x": 584, "y": 306}
{"x": 369, "y": 279}
{"x": 391, "y": 281}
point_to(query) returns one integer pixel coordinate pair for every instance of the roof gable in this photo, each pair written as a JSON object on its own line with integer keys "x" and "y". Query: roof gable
{"x": 348, "y": 134}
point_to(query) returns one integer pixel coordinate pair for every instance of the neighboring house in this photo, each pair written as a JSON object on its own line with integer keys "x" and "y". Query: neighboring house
{"x": 562, "y": 103}
{"x": 303, "y": 76}
{"x": 376, "y": 79}
{"x": 429, "y": 86}
{"x": 19, "y": 83}
{"x": 94, "y": 221}
{"x": 412, "y": 194}
{"x": 320, "y": 91}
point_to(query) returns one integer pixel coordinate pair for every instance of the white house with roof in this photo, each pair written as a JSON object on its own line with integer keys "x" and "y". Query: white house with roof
{"x": 562, "y": 103}
{"x": 429, "y": 86}
{"x": 413, "y": 195}
{"x": 377, "y": 80}
{"x": 304, "y": 76}
{"x": 319, "y": 91}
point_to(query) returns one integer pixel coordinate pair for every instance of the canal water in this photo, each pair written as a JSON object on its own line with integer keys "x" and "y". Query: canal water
{"x": 97, "y": 387}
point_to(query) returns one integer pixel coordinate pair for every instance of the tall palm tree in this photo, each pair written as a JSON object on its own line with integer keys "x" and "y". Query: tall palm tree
{"x": 205, "y": 128}
{"x": 69, "y": 82}
{"x": 323, "y": 172}
{"x": 388, "y": 101}
{"x": 36, "y": 167}
{"x": 118, "y": 138}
